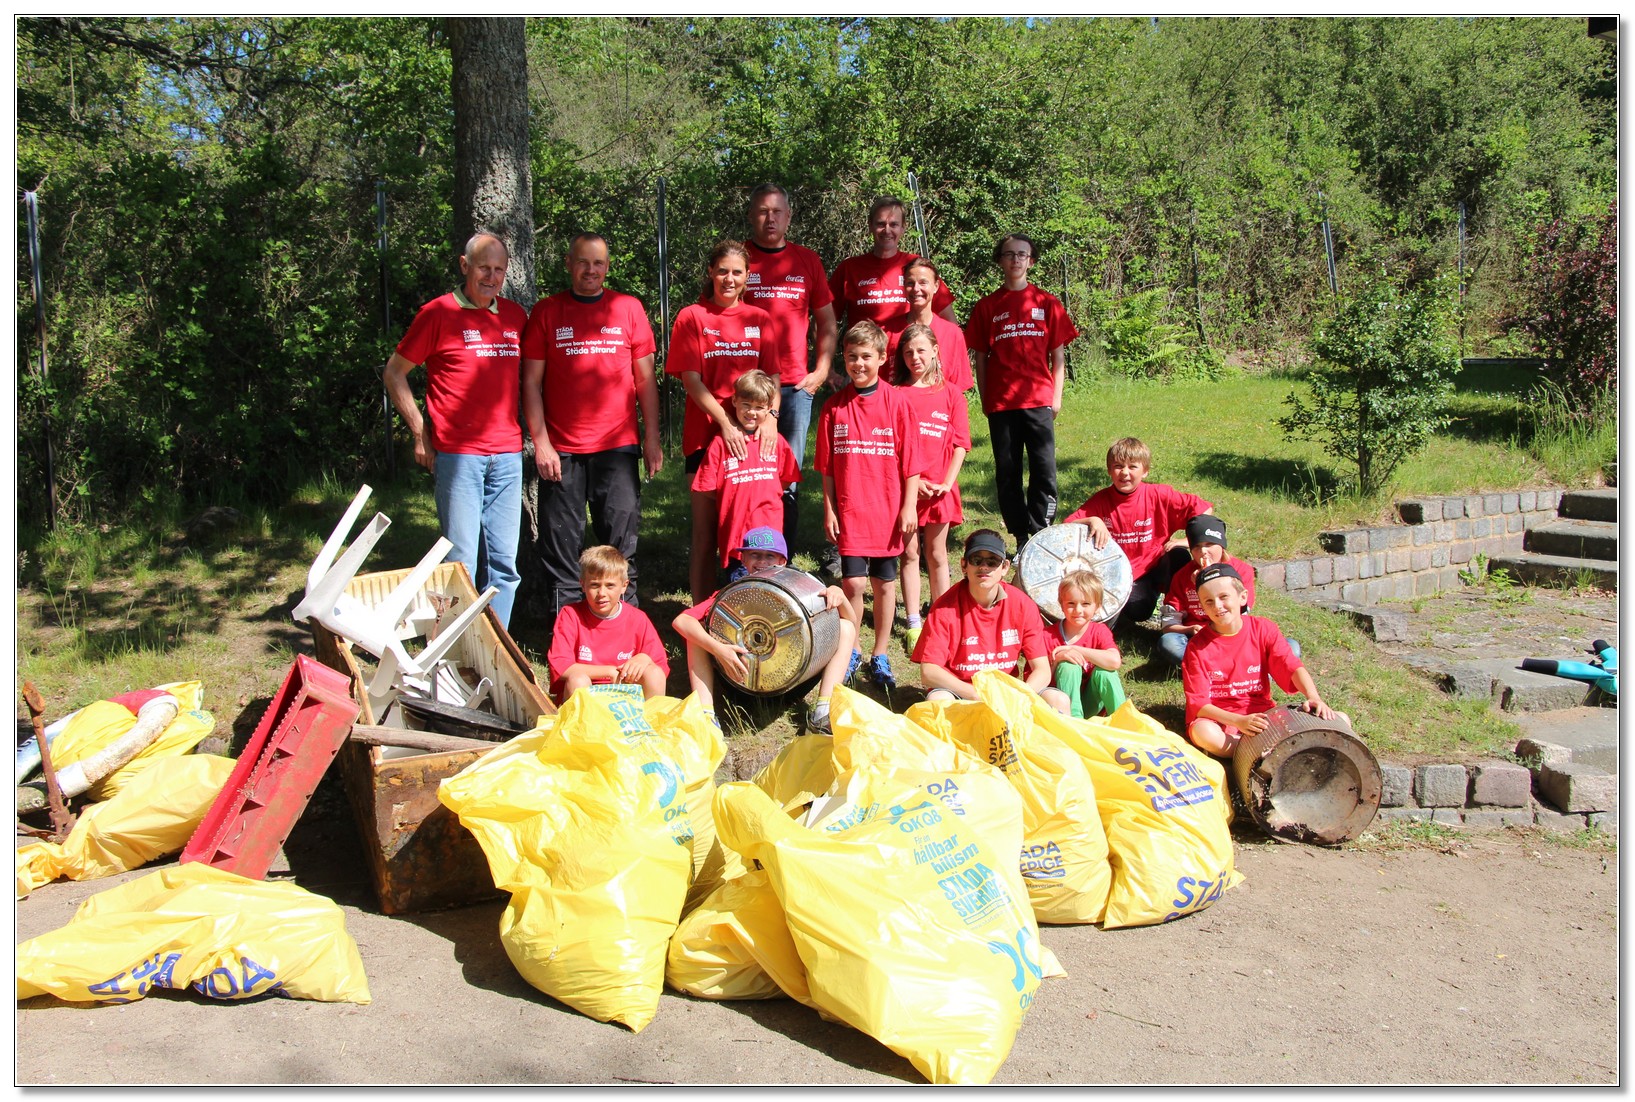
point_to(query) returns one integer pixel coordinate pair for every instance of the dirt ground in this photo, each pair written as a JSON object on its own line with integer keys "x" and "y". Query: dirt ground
{"x": 1490, "y": 959}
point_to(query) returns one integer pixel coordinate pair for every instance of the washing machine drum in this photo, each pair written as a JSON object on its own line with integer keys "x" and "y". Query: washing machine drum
{"x": 1063, "y": 548}
{"x": 779, "y": 616}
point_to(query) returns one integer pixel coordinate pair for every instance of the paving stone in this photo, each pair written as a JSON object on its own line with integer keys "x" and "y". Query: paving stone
{"x": 1604, "y": 821}
{"x": 1322, "y": 571}
{"x": 1354, "y": 592}
{"x": 1365, "y": 566}
{"x": 1481, "y": 528}
{"x": 1459, "y": 553}
{"x": 1269, "y": 574}
{"x": 1398, "y": 537}
{"x": 1400, "y": 814}
{"x": 1549, "y": 818}
{"x": 1485, "y": 819}
{"x": 1461, "y": 528}
{"x": 1421, "y": 534}
{"x": 1440, "y": 785}
{"x": 1345, "y": 567}
{"x": 1396, "y": 786}
{"x": 1442, "y": 531}
{"x": 1510, "y": 503}
{"x": 1379, "y": 539}
{"x": 1427, "y": 584}
{"x": 1297, "y": 574}
{"x": 1453, "y": 508}
{"x": 1344, "y": 542}
{"x": 1551, "y": 499}
{"x": 1402, "y": 585}
{"x": 1515, "y": 523}
{"x": 1519, "y": 690}
{"x": 1448, "y": 816}
{"x": 1439, "y": 557}
{"x": 1449, "y": 577}
{"x": 1575, "y": 787}
{"x": 1468, "y": 681}
{"x": 1532, "y": 750}
{"x": 1490, "y": 502}
{"x": 1380, "y": 589}
{"x": 1397, "y": 561}
{"x": 1528, "y": 501}
{"x": 1419, "y": 559}
{"x": 1473, "y": 505}
{"x": 1500, "y": 784}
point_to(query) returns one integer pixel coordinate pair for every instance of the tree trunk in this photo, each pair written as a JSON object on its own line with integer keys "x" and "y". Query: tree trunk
{"x": 493, "y": 185}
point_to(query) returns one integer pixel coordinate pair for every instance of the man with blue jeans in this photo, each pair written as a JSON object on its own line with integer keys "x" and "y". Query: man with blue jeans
{"x": 788, "y": 281}
{"x": 470, "y": 438}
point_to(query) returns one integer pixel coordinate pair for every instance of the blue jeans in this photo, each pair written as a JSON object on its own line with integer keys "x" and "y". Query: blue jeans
{"x": 1173, "y": 646}
{"x": 794, "y": 421}
{"x": 479, "y": 507}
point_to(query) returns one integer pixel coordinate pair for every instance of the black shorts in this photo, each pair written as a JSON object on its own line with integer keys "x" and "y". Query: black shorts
{"x": 695, "y": 461}
{"x": 883, "y": 567}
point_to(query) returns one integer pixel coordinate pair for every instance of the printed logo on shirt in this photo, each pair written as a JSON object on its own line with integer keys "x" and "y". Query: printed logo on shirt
{"x": 584, "y": 654}
{"x": 564, "y": 333}
{"x": 868, "y": 282}
{"x": 971, "y": 640}
{"x": 732, "y": 463}
{"x": 1010, "y": 637}
{"x": 712, "y": 332}
{"x": 842, "y": 429}
{"x": 1254, "y": 669}
{"x": 794, "y": 279}
{"x": 613, "y": 330}
{"x": 511, "y": 335}
{"x": 1003, "y": 315}
{"x": 1217, "y": 675}
{"x": 1038, "y": 313}
{"x": 471, "y": 336}
{"x": 752, "y": 332}
{"x": 754, "y": 279}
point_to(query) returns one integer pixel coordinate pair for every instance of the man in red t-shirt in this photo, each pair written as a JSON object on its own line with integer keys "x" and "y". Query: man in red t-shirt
{"x": 1230, "y": 665}
{"x": 869, "y": 286}
{"x": 1018, "y": 336}
{"x": 983, "y": 624}
{"x": 470, "y": 342}
{"x": 788, "y": 282}
{"x": 587, "y": 361}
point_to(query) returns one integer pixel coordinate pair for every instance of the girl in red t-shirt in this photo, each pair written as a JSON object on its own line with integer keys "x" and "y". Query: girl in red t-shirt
{"x": 944, "y": 436}
{"x": 715, "y": 340}
{"x": 1085, "y": 658}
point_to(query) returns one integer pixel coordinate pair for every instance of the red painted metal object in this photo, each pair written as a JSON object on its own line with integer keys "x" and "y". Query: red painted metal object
{"x": 278, "y": 771}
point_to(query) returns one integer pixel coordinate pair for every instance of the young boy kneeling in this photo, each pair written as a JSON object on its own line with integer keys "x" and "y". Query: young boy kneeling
{"x": 760, "y": 549}
{"x": 1229, "y": 667}
{"x": 602, "y": 640}
{"x": 1086, "y": 661}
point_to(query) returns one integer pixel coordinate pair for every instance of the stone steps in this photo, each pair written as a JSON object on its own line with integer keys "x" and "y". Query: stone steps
{"x": 1589, "y": 505}
{"x": 1511, "y": 688}
{"x": 1532, "y": 568}
{"x": 1578, "y": 539}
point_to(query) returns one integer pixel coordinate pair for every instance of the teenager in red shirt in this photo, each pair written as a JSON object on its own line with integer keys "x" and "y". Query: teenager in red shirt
{"x": 943, "y": 432}
{"x": 867, "y": 454}
{"x": 1018, "y": 338}
{"x": 1141, "y": 516}
{"x": 982, "y": 624}
{"x": 1230, "y": 665}
{"x": 715, "y": 340}
{"x": 748, "y": 492}
{"x": 920, "y": 284}
{"x": 601, "y": 640}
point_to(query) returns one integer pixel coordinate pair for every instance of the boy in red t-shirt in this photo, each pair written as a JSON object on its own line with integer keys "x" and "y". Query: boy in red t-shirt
{"x": 1230, "y": 665}
{"x": 1141, "y": 516}
{"x": 747, "y": 492}
{"x": 1086, "y": 660}
{"x": 602, "y": 640}
{"x": 761, "y": 549}
{"x": 867, "y": 452}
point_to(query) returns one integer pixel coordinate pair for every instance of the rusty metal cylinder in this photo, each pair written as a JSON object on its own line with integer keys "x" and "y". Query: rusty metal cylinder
{"x": 781, "y": 618}
{"x": 1054, "y": 551}
{"x": 1306, "y": 779}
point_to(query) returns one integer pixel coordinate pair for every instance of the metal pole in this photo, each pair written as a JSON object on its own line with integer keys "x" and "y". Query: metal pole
{"x": 668, "y": 427}
{"x": 385, "y": 323}
{"x": 1461, "y": 250}
{"x": 919, "y": 216}
{"x": 31, "y": 202}
{"x": 1067, "y": 353}
{"x": 1328, "y": 250}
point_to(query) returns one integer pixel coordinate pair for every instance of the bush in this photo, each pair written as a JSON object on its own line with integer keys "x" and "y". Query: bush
{"x": 1385, "y": 369}
{"x": 1141, "y": 344}
{"x": 1572, "y": 284}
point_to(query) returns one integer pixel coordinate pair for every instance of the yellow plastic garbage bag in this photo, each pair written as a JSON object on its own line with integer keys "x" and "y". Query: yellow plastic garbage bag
{"x": 585, "y": 820}
{"x": 801, "y": 773}
{"x": 101, "y": 722}
{"x": 736, "y": 945}
{"x": 906, "y": 909}
{"x": 1064, "y": 848}
{"x": 155, "y": 814}
{"x": 221, "y": 934}
{"x": 1163, "y": 803}
{"x": 701, "y": 748}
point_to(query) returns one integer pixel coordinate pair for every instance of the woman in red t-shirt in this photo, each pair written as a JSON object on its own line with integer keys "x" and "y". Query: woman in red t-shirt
{"x": 715, "y": 340}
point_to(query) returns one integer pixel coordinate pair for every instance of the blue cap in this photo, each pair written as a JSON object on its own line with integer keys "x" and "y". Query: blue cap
{"x": 764, "y": 539}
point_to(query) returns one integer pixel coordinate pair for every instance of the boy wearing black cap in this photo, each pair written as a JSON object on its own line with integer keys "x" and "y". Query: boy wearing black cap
{"x": 1181, "y": 615}
{"x": 760, "y": 549}
{"x": 1230, "y": 665}
{"x": 983, "y": 624}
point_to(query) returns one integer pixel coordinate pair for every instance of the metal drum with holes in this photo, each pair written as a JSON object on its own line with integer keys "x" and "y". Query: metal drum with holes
{"x": 1306, "y": 779}
{"x": 779, "y": 616}
{"x": 1061, "y": 548}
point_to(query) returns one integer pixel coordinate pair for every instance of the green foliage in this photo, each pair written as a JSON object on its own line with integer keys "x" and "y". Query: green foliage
{"x": 1576, "y": 439}
{"x": 1385, "y": 372}
{"x": 1139, "y": 343}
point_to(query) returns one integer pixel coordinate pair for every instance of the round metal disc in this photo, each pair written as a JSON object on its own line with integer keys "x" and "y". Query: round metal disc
{"x": 779, "y": 617}
{"x": 1061, "y": 548}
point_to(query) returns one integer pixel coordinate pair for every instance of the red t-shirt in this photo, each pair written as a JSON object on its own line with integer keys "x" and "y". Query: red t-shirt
{"x": 1234, "y": 672}
{"x": 790, "y": 285}
{"x": 719, "y": 345}
{"x": 473, "y": 359}
{"x": 942, "y": 423}
{"x": 590, "y": 385}
{"x": 581, "y": 636}
{"x": 751, "y": 488}
{"x": 1018, "y": 330}
{"x": 1143, "y": 520}
{"x": 1183, "y": 595}
{"x": 867, "y": 287}
{"x": 1098, "y": 636}
{"x": 867, "y": 443}
{"x": 963, "y": 637}
{"x": 952, "y": 352}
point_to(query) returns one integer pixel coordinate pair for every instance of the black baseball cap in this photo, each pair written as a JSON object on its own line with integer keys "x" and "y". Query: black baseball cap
{"x": 985, "y": 541}
{"x": 1212, "y": 573}
{"x": 1204, "y": 528}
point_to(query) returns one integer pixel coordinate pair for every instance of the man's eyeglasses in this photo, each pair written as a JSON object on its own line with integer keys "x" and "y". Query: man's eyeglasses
{"x": 1015, "y": 254}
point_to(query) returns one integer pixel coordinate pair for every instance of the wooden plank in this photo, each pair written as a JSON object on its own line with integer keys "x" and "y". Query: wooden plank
{"x": 429, "y": 741}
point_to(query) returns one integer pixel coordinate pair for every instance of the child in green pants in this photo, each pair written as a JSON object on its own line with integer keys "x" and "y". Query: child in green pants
{"x": 1086, "y": 662}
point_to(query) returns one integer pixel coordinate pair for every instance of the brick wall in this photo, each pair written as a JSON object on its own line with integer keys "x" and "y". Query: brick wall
{"x": 1438, "y": 536}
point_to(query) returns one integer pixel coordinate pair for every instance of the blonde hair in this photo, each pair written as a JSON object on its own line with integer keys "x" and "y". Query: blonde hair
{"x": 755, "y": 384}
{"x": 1084, "y": 582}
{"x": 1129, "y": 449}
{"x": 603, "y": 562}
{"x": 866, "y": 332}
{"x": 904, "y": 375}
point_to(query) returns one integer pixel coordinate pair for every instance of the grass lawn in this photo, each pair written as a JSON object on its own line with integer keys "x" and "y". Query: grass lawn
{"x": 101, "y": 612}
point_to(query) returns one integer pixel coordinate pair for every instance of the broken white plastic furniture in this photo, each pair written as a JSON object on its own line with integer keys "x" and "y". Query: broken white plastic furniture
{"x": 397, "y": 669}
